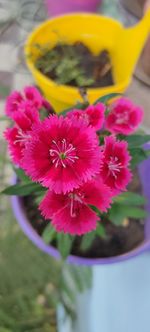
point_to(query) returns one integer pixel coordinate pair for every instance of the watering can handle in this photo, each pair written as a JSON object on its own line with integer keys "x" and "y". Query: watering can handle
{"x": 142, "y": 28}
{"x": 133, "y": 40}
{"x": 145, "y": 21}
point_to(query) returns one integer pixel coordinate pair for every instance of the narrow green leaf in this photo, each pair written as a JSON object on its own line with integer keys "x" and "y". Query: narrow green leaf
{"x": 21, "y": 175}
{"x": 87, "y": 240}
{"x": 23, "y": 190}
{"x": 87, "y": 276}
{"x": 49, "y": 234}
{"x": 95, "y": 209}
{"x": 100, "y": 230}
{"x": 64, "y": 242}
{"x": 138, "y": 155}
{"x": 106, "y": 98}
{"x": 77, "y": 276}
{"x": 135, "y": 212}
{"x": 39, "y": 197}
{"x": 67, "y": 290}
{"x": 136, "y": 141}
{"x": 130, "y": 198}
{"x": 118, "y": 212}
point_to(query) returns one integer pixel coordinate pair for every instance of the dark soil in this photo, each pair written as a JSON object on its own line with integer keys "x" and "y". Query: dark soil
{"x": 119, "y": 240}
{"x": 98, "y": 68}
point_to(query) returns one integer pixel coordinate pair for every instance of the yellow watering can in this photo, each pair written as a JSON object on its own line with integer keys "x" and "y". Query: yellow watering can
{"x": 98, "y": 33}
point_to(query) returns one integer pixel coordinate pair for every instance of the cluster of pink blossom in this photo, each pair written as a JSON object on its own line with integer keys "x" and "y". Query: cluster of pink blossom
{"x": 23, "y": 109}
{"x": 79, "y": 157}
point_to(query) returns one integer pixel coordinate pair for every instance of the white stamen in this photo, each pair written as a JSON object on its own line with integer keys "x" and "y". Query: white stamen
{"x": 62, "y": 153}
{"x": 114, "y": 166}
{"x": 122, "y": 118}
{"x": 21, "y": 137}
{"x": 73, "y": 199}
{"x": 72, "y": 213}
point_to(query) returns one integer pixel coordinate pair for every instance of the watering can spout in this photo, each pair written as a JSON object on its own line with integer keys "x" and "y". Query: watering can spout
{"x": 132, "y": 41}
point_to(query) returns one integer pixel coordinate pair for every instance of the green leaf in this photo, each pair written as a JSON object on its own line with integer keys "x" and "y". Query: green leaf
{"x": 39, "y": 197}
{"x": 138, "y": 155}
{"x": 79, "y": 276}
{"x": 87, "y": 240}
{"x": 64, "y": 242}
{"x": 106, "y": 98}
{"x": 21, "y": 175}
{"x": 23, "y": 190}
{"x": 100, "y": 231}
{"x": 118, "y": 212}
{"x": 130, "y": 198}
{"x": 136, "y": 141}
{"x": 95, "y": 209}
{"x": 135, "y": 212}
{"x": 49, "y": 234}
{"x": 67, "y": 290}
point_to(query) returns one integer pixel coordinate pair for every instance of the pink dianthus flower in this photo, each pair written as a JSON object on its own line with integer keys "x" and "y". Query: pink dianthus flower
{"x": 16, "y": 139}
{"x": 93, "y": 115}
{"x": 71, "y": 213}
{"x": 62, "y": 153}
{"x": 19, "y": 134}
{"x": 124, "y": 117}
{"x": 115, "y": 168}
{"x": 17, "y": 102}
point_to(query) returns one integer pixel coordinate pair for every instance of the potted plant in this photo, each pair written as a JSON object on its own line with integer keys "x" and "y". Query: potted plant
{"x": 96, "y": 34}
{"x": 79, "y": 189}
{"x": 58, "y": 7}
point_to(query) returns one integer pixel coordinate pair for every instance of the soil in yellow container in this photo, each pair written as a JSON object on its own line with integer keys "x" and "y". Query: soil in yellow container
{"x": 98, "y": 33}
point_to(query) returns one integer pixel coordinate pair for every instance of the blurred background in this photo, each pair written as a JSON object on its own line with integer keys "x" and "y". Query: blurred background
{"x": 30, "y": 283}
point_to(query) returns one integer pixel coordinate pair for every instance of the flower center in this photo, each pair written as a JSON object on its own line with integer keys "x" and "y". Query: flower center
{"x": 75, "y": 202}
{"x": 63, "y": 153}
{"x": 122, "y": 118}
{"x": 114, "y": 166}
{"x": 21, "y": 137}
{"x": 85, "y": 117}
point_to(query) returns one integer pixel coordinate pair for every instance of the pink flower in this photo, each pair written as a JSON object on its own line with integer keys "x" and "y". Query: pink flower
{"x": 124, "y": 117}
{"x": 93, "y": 115}
{"x": 33, "y": 95}
{"x": 71, "y": 213}
{"x": 47, "y": 105}
{"x": 12, "y": 103}
{"x": 16, "y": 139}
{"x": 18, "y": 135}
{"x": 62, "y": 153}
{"x": 26, "y": 116}
{"x": 16, "y": 101}
{"x": 115, "y": 169}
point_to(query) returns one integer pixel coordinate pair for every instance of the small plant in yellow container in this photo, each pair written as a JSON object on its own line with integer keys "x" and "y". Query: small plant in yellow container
{"x": 96, "y": 34}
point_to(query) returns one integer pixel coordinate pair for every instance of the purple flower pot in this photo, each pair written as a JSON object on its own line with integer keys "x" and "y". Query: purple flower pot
{"x": 37, "y": 240}
{"x": 58, "y": 7}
